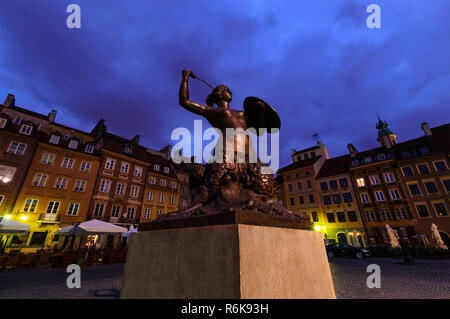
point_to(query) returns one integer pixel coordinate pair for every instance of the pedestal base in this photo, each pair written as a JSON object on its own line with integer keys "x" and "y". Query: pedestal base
{"x": 227, "y": 261}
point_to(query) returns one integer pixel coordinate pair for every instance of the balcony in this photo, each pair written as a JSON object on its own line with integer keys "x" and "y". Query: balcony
{"x": 49, "y": 218}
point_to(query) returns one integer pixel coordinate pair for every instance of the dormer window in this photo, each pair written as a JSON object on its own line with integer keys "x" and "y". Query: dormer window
{"x": 18, "y": 120}
{"x": 73, "y": 144}
{"x": 367, "y": 160}
{"x": 128, "y": 150}
{"x": 3, "y": 122}
{"x": 54, "y": 139}
{"x": 26, "y": 129}
{"x": 156, "y": 167}
{"x": 381, "y": 157}
{"x": 89, "y": 148}
{"x": 355, "y": 163}
{"x": 166, "y": 170}
{"x": 65, "y": 137}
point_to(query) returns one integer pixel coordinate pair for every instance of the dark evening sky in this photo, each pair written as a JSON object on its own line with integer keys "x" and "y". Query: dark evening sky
{"x": 316, "y": 62}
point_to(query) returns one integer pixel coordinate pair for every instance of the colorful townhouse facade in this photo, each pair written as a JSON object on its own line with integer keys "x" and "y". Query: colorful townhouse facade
{"x": 299, "y": 187}
{"x": 53, "y": 176}
{"x": 340, "y": 210}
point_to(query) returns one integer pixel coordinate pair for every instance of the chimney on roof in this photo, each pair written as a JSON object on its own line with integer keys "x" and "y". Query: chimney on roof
{"x": 52, "y": 116}
{"x": 10, "y": 100}
{"x": 136, "y": 139}
{"x": 352, "y": 150}
{"x": 426, "y": 129}
{"x": 99, "y": 129}
{"x": 323, "y": 149}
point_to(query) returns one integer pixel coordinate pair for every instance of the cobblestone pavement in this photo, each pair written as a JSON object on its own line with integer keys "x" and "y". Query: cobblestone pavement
{"x": 427, "y": 279}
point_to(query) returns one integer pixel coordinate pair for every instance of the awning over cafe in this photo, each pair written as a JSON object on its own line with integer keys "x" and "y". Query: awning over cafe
{"x": 92, "y": 227}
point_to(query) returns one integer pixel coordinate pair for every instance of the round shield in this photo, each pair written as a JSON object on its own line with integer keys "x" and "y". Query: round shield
{"x": 259, "y": 114}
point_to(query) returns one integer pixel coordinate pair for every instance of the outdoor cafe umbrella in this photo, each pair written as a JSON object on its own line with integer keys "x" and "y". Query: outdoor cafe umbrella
{"x": 92, "y": 227}
{"x": 8, "y": 226}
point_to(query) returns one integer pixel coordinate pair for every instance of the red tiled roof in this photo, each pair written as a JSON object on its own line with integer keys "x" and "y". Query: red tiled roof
{"x": 334, "y": 166}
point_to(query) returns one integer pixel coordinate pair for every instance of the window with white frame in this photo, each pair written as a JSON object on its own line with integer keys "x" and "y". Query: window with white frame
{"x": 120, "y": 190}
{"x": 124, "y": 168}
{"x": 30, "y": 205}
{"x": 54, "y": 139}
{"x": 422, "y": 210}
{"x": 115, "y": 212}
{"x": 26, "y": 129}
{"x": 172, "y": 199}
{"x": 150, "y": 196}
{"x": 385, "y": 215}
{"x": 166, "y": 170}
{"x": 98, "y": 211}
{"x": 104, "y": 186}
{"x": 370, "y": 216}
{"x": 156, "y": 167}
{"x": 39, "y": 179}
{"x": 17, "y": 148}
{"x": 52, "y": 207}
{"x": 147, "y": 213}
{"x": 61, "y": 183}
{"x": 89, "y": 148}
{"x": 109, "y": 163}
{"x": 3, "y": 122}
{"x": 73, "y": 209}
{"x": 48, "y": 158}
{"x": 73, "y": 144}
{"x": 374, "y": 180}
{"x": 173, "y": 185}
{"x": 159, "y": 211}
{"x": 394, "y": 194}
{"x": 17, "y": 120}
{"x": 130, "y": 212}
{"x": 401, "y": 213}
{"x": 137, "y": 171}
{"x": 365, "y": 198}
{"x": 67, "y": 162}
{"x": 162, "y": 182}
{"x": 440, "y": 166}
{"x": 80, "y": 186}
{"x": 161, "y": 198}
{"x": 85, "y": 166}
{"x": 389, "y": 178}
{"x": 134, "y": 191}
{"x": 381, "y": 157}
{"x": 152, "y": 180}
{"x": 128, "y": 149}
{"x": 360, "y": 182}
{"x": 2, "y": 197}
{"x": 380, "y": 196}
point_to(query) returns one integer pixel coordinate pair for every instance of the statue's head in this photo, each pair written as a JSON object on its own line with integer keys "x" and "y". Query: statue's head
{"x": 220, "y": 93}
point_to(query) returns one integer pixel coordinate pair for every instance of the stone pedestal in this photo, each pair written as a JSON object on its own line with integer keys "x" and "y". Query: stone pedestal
{"x": 236, "y": 256}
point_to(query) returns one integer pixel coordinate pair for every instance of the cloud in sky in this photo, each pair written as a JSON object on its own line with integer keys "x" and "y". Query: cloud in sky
{"x": 316, "y": 62}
